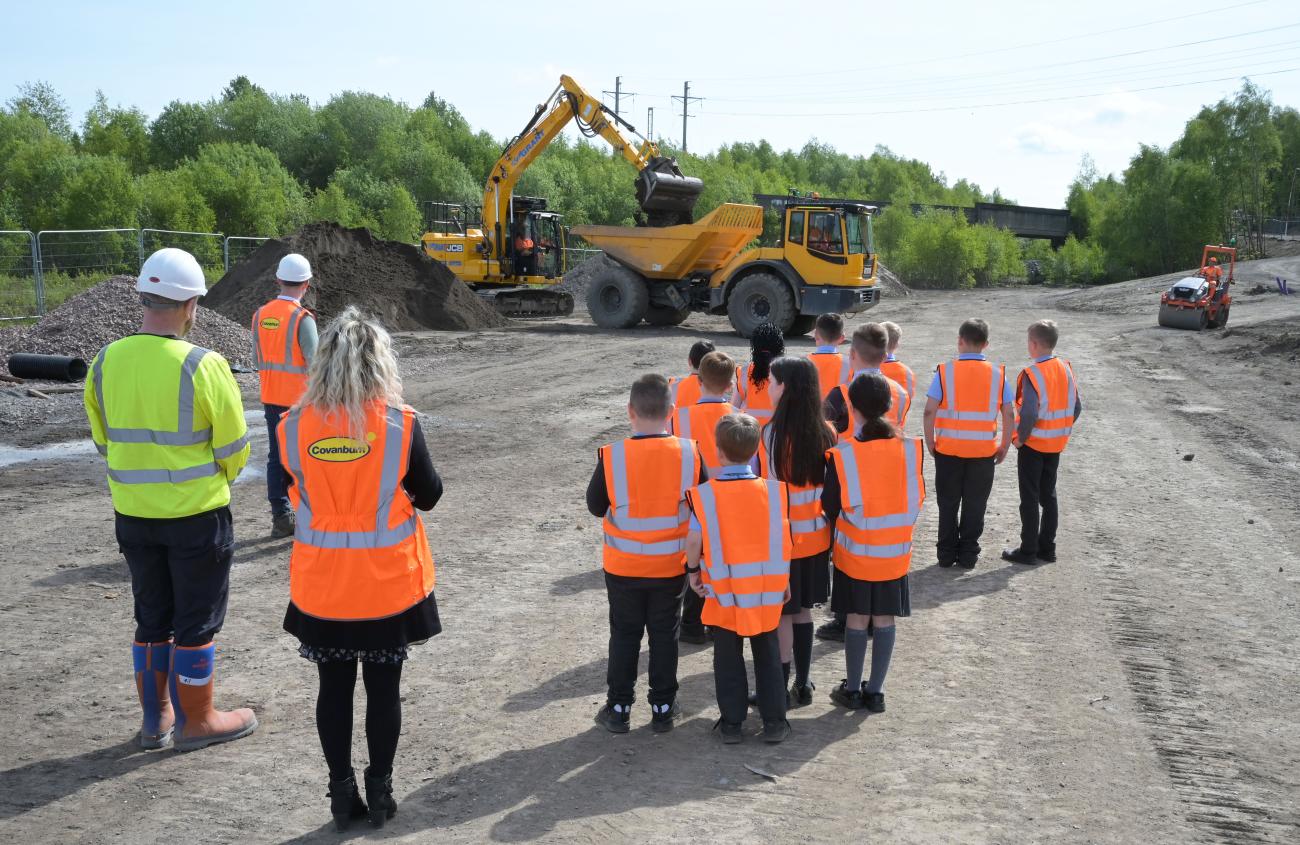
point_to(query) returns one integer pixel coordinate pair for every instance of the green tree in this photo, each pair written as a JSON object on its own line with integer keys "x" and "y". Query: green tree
{"x": 115, "y": 131}
{"x": 40, "y": 99}
{"x": 247, "y": 189}
{"x": 179, "y": 131}
{"x": 170, "y": 199}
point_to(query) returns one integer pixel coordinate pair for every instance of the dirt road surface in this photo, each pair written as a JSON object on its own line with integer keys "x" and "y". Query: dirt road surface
{"x": 1142, "y": 689}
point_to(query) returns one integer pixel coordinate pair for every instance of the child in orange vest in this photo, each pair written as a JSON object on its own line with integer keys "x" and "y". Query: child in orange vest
{"x": 832, "y": 365}
{"x": 686, "y": 390}
{"x": 894, "y": 368}
{"x": 698, "y": 422}
{"x": 738, "y": 560}
{"x": 639, "y": 488}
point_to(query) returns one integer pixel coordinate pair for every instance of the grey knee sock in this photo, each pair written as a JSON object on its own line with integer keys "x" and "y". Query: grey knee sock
{"x": 882, "y": 650}
{"x": 855, "y": 655}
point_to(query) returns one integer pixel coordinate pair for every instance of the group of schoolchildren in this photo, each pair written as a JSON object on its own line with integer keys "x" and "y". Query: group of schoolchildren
{"x": 749, "y": 494}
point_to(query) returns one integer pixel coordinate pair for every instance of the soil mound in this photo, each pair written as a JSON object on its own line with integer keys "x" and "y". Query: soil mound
{"x": 395, "y": 282}
{"x": 890, "y": 283}
{"x": 94, "y": 318}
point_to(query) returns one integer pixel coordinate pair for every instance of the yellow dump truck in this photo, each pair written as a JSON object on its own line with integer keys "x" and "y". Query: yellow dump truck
{"x": 824, "y": 261}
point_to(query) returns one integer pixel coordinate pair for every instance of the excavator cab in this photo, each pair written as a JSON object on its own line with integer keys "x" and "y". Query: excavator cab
{"x": 534, "y": 250}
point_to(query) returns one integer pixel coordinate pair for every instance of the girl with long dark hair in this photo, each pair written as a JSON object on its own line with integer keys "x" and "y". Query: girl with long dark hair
{"x": 765, "y": 346}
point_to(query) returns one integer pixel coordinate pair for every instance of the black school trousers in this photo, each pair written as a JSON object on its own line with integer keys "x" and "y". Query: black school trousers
{"x": 732, "y": 684}
{"x": 643, "y": 605}
{"x": 1036, "y": 472}
{"x": 962, "y": 487}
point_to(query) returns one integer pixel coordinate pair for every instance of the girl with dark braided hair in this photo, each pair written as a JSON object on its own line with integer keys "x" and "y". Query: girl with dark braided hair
{"x": 765, "y": 346}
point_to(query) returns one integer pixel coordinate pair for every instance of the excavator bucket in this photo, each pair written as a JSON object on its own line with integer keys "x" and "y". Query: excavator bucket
{"x": 665, "y": 194}
{"x": 1173, "y": 317}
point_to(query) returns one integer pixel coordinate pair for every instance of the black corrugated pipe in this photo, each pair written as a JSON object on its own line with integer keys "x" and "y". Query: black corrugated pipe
{"x": 50, "y": 367}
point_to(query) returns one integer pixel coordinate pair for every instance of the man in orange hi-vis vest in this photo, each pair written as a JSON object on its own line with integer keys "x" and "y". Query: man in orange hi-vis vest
{"x": 639, "y": 489}
{"x": 966, "y": 399}
{"x": 284, "y": 340}
{"x": 1048, "y": 403}
{"x": 740, "y": 529}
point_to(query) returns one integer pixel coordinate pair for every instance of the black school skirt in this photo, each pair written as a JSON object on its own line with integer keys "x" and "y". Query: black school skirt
{"x": 375, "y": 639}
{"x": 810, "y": 582}
{"x": 881, "y": 598}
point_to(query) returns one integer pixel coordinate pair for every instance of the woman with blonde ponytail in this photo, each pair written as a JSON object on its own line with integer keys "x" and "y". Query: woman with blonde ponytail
{"x": 361, "y": 576}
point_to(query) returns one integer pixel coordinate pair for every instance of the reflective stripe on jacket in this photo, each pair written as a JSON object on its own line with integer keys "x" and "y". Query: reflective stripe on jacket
{"x": 966, "y": 422}
{"x": 699, "y": 423}
{"x": 1058, "y": 393}
{"x": 881, "y": 491}
{"x": 810, "y": 533}
{"x": 832, "y": 370}
{"x": 359, "y": 550}
{"x": 751, "y": 398}
{"x": 281, "y": 365}
{"x": 647, "y": 521}
{"x": 898, "y": 408}
{"x": 745, "y": 569}
{"x": 169, "y": 419}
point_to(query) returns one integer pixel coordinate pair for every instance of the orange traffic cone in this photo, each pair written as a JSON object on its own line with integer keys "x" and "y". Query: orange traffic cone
{"x": 198, "y": 723}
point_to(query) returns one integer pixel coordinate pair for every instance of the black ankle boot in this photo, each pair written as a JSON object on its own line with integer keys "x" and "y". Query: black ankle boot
{"x": 379, "y": 794}
{"x": 345, "y": 802}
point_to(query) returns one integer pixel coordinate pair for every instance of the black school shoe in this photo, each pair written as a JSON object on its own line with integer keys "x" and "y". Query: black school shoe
{"x": 832, "y": 630}
{"x": 664, "y": 716}
{"x": 777, "y": 730}
{"x": 1017, "y": 556}
{"x": 946, "y": 563}
{"x": 874, "y": 701}
{"x": 732, "y": 733}
{"x": 1047, "y": 557}
{"x": 614, "y": 720}
{"x": 800, "y": 696}
{"x": 968, "y": 564}
{"x": 850, "y": 699}
{"x": 694, "y": 636}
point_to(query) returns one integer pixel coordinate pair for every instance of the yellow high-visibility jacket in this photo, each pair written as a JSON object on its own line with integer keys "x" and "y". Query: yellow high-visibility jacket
{"x": 169, "y": 418}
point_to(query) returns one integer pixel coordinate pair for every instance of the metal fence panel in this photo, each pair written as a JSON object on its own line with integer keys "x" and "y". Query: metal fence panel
{"x": 21, "y": 294}
{"x": 208, "y": 248}
{"x": 71, "y": 260}
{"x": 237, "y": 248}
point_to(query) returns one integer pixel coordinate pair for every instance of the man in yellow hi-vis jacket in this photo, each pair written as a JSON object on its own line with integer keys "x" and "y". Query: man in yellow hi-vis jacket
{"x": 168, "y": 417}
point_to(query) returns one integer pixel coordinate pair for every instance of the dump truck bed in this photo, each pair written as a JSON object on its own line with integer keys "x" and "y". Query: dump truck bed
{"x": 675, "y": 252}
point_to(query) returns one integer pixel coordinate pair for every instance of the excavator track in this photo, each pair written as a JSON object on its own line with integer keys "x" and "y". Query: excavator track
{"x": 524, "y": 303}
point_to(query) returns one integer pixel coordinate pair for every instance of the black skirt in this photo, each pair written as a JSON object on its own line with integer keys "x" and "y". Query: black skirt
{"x": 810, "y": 582}
{"x": 881, "y": 598}
{"x": 413, "y": 625}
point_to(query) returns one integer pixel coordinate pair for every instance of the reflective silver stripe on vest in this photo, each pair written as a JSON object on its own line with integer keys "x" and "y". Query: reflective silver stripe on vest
{"x": 390, "y": 475}
{"x": 666, "y": 547}
{"x": 620, "y": 516}
{"x": 964, "y": 434}
{"x": 807, "y": 526}
{"x": 1040, "y": 386}
{"x": 845, "y": 372}
{"x": 871, "y": 549}
{"x": 947, "y": 409}
{"x": 163, "y": 476}
{"x": 749, "y": 601}
{"x": 684, "y": 423}
{"x": 806, "y": 497}
{"x": 852, "y": 511}
{"x": 286, "y": 365}
{"x": 184, "y": 435}
{"x": 722, "y": 569}
{"x": 1049, "y": 433}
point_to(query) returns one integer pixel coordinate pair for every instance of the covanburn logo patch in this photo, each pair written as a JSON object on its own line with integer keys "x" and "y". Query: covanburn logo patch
{"x": 338, "y": 449}
{"x": 271, "y": 323}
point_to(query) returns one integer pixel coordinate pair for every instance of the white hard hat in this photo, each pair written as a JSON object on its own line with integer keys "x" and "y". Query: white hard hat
{"x": 293, "y": 269}
{"x": 172, "y": 274}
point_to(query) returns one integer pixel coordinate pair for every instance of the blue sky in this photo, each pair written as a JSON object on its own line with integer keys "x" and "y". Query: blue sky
{"x": 1006, "y": 94}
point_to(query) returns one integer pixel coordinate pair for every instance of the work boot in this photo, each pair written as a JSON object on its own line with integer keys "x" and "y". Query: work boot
{"x": 345, "y": 802}
{"x": 777, "y": 730}
{"x": 664, "y": 716}
{"x": 198, "y": 723}
{"x": 1016, "y": 555}
{"x": 833, "y": 630}
{"x": 152, "y": 666}
{"x": 379, "y": 795}
{"x": 614, "y": 718}
{"x": 283, "y": 525}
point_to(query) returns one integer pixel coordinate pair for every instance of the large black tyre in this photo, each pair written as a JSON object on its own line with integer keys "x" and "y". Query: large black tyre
{"x": 663, "y": 315}
{"x": 802, "y": 325}
{"x": 1220, "y": 319}
{"x": 761, "y": 298}
{"x": 617, "y": 298}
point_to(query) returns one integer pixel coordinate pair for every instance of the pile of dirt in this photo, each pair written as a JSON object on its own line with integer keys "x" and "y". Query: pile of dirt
{"x": 94, "y": 318}
{"x": 395, "y": 282}
{"x": 890, "y": 283}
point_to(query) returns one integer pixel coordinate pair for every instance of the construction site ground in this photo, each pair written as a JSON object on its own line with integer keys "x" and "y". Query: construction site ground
{"x": 1141, "y": 689}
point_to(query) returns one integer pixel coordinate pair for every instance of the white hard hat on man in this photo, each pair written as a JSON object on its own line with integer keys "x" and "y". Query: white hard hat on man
{"x": 294, "y": 269}
{"x": 172, "y": 274}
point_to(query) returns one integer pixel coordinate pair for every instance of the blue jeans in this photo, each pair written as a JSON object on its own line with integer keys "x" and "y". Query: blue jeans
{"x": 277, "y": 480}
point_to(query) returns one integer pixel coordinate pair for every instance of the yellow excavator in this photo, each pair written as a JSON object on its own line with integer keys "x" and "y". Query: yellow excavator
{"x": 513, "y": 253}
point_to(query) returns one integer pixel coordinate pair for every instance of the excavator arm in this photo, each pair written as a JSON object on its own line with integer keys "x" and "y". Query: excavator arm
{"x": 663, "y": 192}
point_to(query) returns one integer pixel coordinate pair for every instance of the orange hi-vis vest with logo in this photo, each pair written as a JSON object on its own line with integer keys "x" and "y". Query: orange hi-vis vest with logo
{"x": 881, "y": 491}
{"x": 745, "y": 525}
{"x": 966, "y": 422}
{"x": 699, "y": 422}
{"x": 281, "y": 366}
{"x": 809, "y": 531}
{"x": 901, "y": 373}
{"x": 899, "y": 405}
{"x": 753, "y": 399}
{"x": 1058, "y": 393}
{"x": 685, "y": 390}
{"x": 647, "y": 521}
{"x": 832, "y": 370}
{"x": 359, "y": 550}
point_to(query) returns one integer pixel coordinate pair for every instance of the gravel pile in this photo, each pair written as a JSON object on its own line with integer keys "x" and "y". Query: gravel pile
{"x": 394, "y": 281}
{"x": 91, "y": 320}
{"x": 890, "y": 283}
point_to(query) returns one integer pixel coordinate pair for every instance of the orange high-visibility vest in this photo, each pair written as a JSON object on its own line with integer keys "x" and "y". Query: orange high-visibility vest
{"x": 753, "y": 400}
{"x": 898, "y": 407}
{"x": 359, "y": 551}
{"x": 901, "y": 373}
{"x": 647, "y": 521}
{"x": 809, "y": 531}
{"x": 881, "y": 491}
{"x": 699, "y": 422}
{"x": 746, "y": 569}
{"x": 686, "y": 390}
{"x": 832, "y": 370}
{"x": 1057, "y": 391}
{"x": 281, "y": 366}
{"x": 966, "y": 422}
